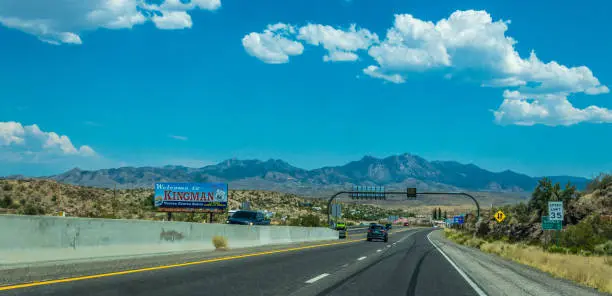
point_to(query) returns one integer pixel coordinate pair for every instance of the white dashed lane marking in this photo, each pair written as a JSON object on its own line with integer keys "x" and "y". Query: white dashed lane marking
{"x": 316, "y": 278}
{"x": 361, "y": 258}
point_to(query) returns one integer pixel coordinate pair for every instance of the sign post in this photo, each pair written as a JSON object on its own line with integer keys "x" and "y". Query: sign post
{"x": 555, "y": 215}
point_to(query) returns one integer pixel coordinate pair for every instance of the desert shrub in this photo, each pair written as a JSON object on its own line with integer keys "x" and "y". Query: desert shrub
{"x": 482, "y": 228}
{"x": 578, "y": 236}
{"x": 555, "y": 249}
{"x": 581, "y": 236}
{"x": 6, "y": 202}
{"x": 32, "y": 209}
{"x": 147, "y": 202}
{"x": 7, "y": 187}
{"x": 219, "y": 242}
{"x": 604, "y": 249}
{"x": 309, "y": 220}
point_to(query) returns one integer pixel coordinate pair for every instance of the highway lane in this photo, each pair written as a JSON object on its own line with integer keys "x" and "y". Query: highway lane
{"x": 412, "y": 266}
{"x": 407, "y": 265}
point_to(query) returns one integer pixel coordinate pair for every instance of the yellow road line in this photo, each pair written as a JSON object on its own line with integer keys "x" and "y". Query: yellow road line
{"x": 227, "y": 258}
{"x": 102, "y": 275}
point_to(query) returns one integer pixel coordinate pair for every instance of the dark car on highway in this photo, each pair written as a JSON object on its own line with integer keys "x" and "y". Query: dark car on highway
{"x": 378, "y": 232}
{"x": 248, "y": 218}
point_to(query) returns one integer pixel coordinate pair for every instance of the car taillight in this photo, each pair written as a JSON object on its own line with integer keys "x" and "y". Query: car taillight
{"x": 369, "y": 230}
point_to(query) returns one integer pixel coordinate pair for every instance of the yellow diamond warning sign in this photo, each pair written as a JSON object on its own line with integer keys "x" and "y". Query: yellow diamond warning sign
{"x": 500, "y": 216}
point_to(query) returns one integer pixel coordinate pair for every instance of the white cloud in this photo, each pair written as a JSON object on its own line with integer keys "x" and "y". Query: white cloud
{"x": 470, "y": 43}
{"x": 61, "y": 21}
{"x": 501, "y": 82}
{"x": 181, "y": 138}
{"x": 11, "y": 133}
{"x": 273, "y": 46}
{"x": 340, "y": 44}
{"x": 340, "y": 56}
{"x": 30, "y": 139}
{"x": 546, "y": 109}
{"x": 172, "y": 20}
{"x": 374, "y": 71}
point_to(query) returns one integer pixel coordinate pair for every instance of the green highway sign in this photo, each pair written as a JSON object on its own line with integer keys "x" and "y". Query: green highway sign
{"x": 548, "y": 224}
{"x": 411, "y": 192}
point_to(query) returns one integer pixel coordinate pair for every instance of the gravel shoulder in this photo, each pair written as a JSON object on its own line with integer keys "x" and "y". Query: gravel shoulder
{"x": 498, "y": 276}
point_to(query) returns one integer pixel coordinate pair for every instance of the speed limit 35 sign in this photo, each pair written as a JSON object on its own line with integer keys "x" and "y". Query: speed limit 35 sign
{"x": 555, "y": 210}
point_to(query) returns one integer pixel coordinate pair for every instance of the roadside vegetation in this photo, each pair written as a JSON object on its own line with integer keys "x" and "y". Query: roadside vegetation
{"x": 581, "y": 252}
{"x": 46, "y": 197}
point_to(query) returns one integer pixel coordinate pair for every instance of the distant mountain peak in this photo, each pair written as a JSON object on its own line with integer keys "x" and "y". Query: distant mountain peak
{"x": 369, "y": 157}
{"x": 392, "y": 171}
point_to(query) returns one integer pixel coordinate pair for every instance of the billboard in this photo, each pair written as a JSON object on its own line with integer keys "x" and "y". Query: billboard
{"x": 191, "y": 197}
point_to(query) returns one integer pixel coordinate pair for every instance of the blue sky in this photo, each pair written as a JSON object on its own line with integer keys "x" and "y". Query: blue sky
{"x": 193, "y": 83}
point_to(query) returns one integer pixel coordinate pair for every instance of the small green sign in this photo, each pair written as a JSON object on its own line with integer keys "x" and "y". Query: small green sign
{"x": 547, "y": 224}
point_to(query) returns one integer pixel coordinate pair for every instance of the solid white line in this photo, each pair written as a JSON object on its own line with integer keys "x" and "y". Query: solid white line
{"x": 378, "y": 250}
{"x": 465, "y": 277}
{"x": 361, "y": 258}
{"x": 316, "y": 278}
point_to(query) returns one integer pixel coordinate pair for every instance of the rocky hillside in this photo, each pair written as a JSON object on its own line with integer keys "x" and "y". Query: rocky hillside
{"x": 46, "y": 197}
{"x": 587, "y": 224}
{"x": 394, "y": 172}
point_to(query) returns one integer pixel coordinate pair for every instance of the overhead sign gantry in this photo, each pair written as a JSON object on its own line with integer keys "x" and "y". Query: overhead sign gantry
{"x": 379, "y": 193}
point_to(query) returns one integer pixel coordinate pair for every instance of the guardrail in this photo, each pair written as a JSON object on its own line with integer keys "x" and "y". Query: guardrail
{"x": 27, "y": 239}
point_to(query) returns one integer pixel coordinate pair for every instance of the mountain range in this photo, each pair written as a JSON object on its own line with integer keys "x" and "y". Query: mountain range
{"x": 393, "y": 172}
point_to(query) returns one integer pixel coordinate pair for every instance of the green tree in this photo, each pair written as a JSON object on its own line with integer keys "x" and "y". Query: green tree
{"x": 439, "y": 213}
{"x": 547, "y": 191}
{"x": 433, "y": 214}
{"x": 543, "y": 193}
{"x": 147, "y": 202}
{"x": 445, "y": 215}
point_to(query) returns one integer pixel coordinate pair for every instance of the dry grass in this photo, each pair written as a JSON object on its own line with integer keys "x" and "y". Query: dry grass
{"x": 219, "y": 242}
{"x": 592, "y": 271}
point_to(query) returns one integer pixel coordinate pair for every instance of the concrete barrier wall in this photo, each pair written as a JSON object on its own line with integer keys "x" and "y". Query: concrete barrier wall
{"x": 30, "y": 239}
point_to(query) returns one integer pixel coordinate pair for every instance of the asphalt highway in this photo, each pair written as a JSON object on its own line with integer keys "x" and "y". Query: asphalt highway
{"x": 408, "y": 264}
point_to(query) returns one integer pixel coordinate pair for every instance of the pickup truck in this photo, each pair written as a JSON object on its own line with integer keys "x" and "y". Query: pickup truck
{"x": 248, "y": 218}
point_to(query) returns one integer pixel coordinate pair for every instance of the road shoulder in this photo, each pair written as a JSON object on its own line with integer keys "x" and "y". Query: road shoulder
{"x": 498, "y": 276}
